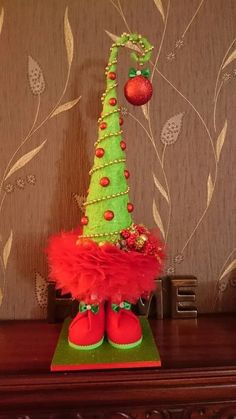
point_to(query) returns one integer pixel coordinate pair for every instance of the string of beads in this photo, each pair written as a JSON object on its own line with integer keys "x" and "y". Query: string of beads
{"x": 94, "y": 169}
{"x": 112, "y": 134}
{"x": 108, "y": 114}
{"x": 114, "y": 195}
{"x": 112, "y": 233}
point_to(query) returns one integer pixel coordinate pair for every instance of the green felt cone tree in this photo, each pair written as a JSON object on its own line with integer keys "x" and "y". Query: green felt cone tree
{"x": 108, "y": 208}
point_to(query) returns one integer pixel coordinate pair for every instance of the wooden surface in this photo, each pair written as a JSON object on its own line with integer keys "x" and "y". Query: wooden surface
{"x": 209, "y": 341}
{"x": 198, "y": 372}
{"x": 196, "y": 36}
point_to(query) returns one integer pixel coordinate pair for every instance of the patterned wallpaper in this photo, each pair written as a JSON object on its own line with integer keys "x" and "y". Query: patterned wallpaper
{"x": 181, "y": 146}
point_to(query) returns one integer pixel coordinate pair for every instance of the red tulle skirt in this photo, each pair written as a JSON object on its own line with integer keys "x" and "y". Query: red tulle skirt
{"x": 94, "y": 273}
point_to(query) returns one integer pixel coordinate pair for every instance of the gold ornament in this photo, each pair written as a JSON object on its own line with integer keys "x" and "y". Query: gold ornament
{"x": 143, "y": 237}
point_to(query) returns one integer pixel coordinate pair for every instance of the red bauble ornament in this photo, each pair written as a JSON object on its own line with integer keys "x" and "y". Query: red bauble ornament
{"x": 113, "y": 101}
{"x": 130, "y": 207}
{"x": 122, "y": 145}
{"x": 104, "y": 181}
{"x": 108, "y": 215}
{"x": 84, "y": 220}
{"x": 138, "y": 90}
{"x": 103, "y": 125}
{"x": 111, "y": 75}
{"x": 100, "y": 152}
{"x": 126, "y": 173}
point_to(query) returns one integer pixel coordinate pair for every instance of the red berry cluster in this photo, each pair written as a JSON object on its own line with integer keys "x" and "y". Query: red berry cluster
{"x": 138, "y": 238}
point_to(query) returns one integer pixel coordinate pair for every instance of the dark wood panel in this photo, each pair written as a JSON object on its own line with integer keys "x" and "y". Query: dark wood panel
{"x": 198, "y": 377}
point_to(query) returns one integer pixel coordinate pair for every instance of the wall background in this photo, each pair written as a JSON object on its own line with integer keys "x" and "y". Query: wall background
{"x": 181, "y": 149}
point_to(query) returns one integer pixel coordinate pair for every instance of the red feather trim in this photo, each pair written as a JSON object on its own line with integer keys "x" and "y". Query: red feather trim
{"x": 94, "y": 273}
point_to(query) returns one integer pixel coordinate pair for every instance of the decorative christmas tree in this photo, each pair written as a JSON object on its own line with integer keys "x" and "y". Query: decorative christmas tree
{"x": 108, "y": 210}
{"x": 111, "y": 259}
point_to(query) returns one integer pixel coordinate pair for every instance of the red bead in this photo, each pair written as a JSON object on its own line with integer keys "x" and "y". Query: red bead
{"x": 127, "y": 174}
{"x": 130, "y": 207}
{"x": 122, "y": 145}
{"x": 108, "y": 215}
{"x": 104, "y": 181}
{"x": 103, "y": 125}
{"x": 111, "y": 75}
{"x": 121, "y": 120}
{"x": 84, "y": 220}
{"x": 113, "y": 101}
{"x": 100, "y": 152}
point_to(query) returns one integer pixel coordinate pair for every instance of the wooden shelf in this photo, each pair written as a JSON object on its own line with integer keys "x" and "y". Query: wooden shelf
{"x": 197, "y": 379}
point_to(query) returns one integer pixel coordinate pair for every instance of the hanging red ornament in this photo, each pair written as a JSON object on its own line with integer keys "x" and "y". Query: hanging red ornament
{"x": 108, "y": 215}
{"x": 138, "y": 90}
{"x": 84, "y": 220}
{"x": 104, "y": 181}
{"x": 100, "y": 152}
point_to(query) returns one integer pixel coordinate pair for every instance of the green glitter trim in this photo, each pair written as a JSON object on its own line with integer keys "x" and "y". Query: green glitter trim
{"x": 125, "y": 346}
{"x": 87, "y": 347}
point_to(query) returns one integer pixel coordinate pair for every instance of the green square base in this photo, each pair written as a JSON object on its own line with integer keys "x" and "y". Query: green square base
{"x": 106, "y": 356}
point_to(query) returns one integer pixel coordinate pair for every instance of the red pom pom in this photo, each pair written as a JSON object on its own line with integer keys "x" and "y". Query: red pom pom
{"x": 122, "y": 145}
{"x": 84, "y": 221}
{"x": 108, "y": 215}
{"x": 130, "y": 207}
{"x": 121, "y": 120}
{"x": 100, "y": 152}
{"x": 113, "y": 101}
{"x": 111, "y": 75}
{"x": 138, "y": 90}
{"x": 127, "y": 174}
{"x": 103, "y": 125}
{"x": 104, "y": 181}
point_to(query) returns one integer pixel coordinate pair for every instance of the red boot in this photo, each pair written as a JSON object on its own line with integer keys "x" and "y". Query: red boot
{"x": 86, "y": 331}
{"x": 122, "y": 326}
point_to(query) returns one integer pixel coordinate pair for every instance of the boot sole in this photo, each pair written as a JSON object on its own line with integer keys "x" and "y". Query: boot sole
{"x": 86, "y": 347}
{"x": 125, "y": 345}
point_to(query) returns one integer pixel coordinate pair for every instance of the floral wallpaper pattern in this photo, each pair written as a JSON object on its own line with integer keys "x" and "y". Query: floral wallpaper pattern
{"x": 37, "y": 86}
